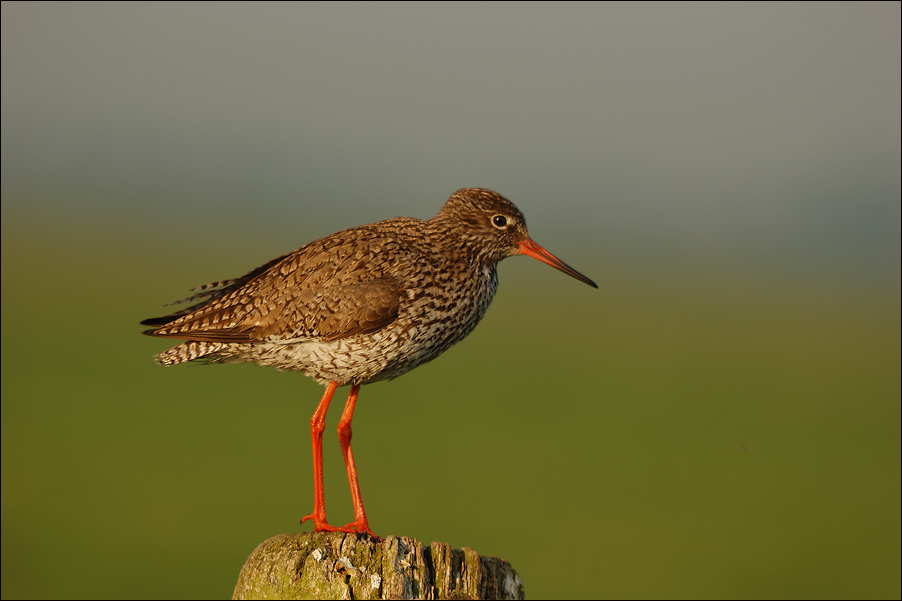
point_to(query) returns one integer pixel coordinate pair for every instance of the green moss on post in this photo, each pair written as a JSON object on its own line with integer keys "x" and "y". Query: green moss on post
{"x": 335, "y": 565}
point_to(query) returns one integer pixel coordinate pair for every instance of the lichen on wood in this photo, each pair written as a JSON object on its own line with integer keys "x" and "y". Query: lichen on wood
{"x": 336, "y": 565}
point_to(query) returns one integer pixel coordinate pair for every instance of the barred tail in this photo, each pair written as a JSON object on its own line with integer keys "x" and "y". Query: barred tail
{"x": 191, "y": 350}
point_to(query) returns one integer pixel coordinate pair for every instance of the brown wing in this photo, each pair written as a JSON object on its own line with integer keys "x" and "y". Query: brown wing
{"x": 208, "y": 293}
{"x": 328, "y": 290}
{"x": 339, "y": 311}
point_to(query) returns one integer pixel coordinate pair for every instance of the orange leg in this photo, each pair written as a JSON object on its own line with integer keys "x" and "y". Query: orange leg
{"x": 317, "y": 425}
{"x": 344, "y": 436}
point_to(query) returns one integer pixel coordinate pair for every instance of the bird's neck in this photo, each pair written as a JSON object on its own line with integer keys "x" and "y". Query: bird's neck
{"x": 455, "y": 242}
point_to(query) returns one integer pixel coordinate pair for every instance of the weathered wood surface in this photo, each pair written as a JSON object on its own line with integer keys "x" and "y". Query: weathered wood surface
{"x": 335, "y": 565}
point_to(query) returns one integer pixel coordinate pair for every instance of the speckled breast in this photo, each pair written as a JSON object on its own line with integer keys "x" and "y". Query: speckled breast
{"x": 441, "y": 307}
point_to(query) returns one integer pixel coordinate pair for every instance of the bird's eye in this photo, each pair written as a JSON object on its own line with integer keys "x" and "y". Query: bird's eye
{"x": 499, "y": 221}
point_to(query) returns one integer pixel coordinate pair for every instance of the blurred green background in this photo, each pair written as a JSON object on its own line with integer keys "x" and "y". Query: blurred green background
{"x": 721, "y": 419}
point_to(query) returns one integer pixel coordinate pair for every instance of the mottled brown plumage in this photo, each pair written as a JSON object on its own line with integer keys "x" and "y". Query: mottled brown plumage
{"x": 362, "y": 305}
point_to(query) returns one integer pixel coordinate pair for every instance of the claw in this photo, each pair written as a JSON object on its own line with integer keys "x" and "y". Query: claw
{"x": 353, "y": 527}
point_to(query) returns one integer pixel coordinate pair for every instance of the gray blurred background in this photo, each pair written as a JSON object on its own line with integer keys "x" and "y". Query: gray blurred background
{"x": 749, "y": 129}
{"x": 729, "y": 174}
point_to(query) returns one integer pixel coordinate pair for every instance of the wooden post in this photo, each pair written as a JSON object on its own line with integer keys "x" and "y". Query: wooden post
{"x": 335, "y": 565}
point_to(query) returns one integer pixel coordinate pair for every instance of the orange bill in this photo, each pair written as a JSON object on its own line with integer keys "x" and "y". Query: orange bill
{"x": 528, "y": 247}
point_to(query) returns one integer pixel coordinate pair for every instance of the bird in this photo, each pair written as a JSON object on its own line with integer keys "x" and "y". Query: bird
{"x": 365, "y": 304}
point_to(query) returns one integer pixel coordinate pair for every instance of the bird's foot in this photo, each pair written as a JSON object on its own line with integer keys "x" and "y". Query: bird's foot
{"x": 361, "y": 529}
{"x": 320, "y": 525}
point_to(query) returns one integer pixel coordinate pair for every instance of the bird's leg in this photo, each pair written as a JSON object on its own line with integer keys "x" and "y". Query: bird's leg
{"x": 344, "y": 437}
{"x": 317, "y": 425}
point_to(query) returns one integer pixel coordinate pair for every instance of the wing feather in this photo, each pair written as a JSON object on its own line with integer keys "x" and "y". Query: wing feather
{"x": 327, "y": 290}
